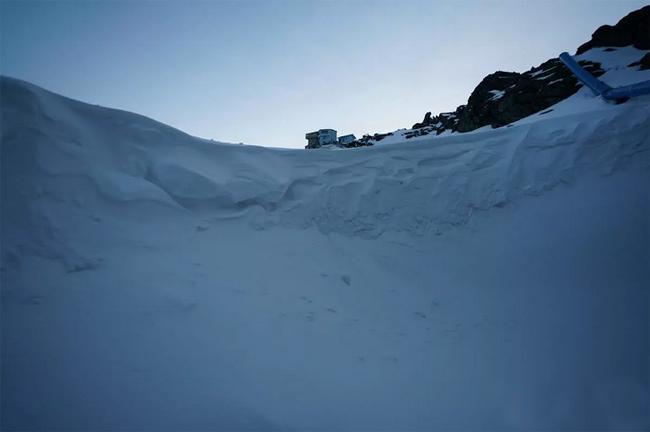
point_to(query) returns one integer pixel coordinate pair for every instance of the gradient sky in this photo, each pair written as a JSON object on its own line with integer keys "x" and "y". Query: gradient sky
{"x": 266, "y": 72}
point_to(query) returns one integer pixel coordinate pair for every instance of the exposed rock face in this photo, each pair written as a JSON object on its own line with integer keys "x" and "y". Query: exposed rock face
{"x": 633, "y": 29}
{"x": 504, "y": 97}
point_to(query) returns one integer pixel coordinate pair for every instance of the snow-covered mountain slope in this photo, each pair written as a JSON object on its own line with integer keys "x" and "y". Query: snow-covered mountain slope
{"x": 547, "y": 90}
{"x": 492, "y": 280}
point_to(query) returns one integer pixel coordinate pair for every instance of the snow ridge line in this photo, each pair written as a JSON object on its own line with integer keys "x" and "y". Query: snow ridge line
{"x": 422, "y": 187}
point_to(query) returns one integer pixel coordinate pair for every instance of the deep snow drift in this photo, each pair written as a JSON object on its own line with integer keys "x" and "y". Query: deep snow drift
{"x": 491, "y": 280}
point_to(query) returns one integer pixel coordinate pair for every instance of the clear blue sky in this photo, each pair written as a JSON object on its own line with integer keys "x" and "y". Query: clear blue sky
{"x": 266, "y": 72}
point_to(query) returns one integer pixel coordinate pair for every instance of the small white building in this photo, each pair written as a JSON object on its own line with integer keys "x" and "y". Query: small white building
{"x": 320, "y": 138}
{"x": 346, "y": 139}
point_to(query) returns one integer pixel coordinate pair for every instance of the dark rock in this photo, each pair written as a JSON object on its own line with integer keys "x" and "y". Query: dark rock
{"x": 643, "y": 62}
{"x": 502, "y": 98}
{"x": 515, "y": 96}
{"x": 426, "y": 122}
{"x": 505, "y": 97}
{"x": 367, "y": 140}
{"x": 632, "y": 29}
{"x": 379, "y": 137}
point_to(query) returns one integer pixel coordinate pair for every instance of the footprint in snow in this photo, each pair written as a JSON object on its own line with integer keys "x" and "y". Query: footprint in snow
{"x": 81, "y": 266}
{"x": 33, "y": 300}
{"x": 188, "y": 307}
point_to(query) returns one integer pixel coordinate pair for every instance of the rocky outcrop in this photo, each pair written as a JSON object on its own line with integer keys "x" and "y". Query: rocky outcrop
{"x": 504, "y": 97}
{"x": 368, "y": 140}
{"x": 632, "y": 29}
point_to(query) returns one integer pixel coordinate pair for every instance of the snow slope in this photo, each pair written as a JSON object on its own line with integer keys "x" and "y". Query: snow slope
{"x": 614, "y": 61}
{"x": 488, "y": 281}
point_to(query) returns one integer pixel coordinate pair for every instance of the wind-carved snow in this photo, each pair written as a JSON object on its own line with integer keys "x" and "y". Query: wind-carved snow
{"x": 497, "y": 94}
{"x": 440, "y": 182}
{"x": 489, "y": 280}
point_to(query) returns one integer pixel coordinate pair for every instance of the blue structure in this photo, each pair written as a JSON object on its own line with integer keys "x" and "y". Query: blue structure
{"x": 346, "y": 139}
{"x": 600, "y": 88}
{"x": 320, "y": 138}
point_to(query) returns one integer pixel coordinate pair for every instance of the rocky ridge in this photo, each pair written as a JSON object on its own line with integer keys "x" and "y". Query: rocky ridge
{"x": 502, "y": 98}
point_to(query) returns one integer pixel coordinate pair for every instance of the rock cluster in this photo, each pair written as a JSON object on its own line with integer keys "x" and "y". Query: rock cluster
{"x": 505, "y": 97}
{"x": 632, "y": 29}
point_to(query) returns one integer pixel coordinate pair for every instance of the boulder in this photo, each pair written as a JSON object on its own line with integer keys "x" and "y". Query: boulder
{"x": 632, "y": 29}
{"x": 643, "y": 62}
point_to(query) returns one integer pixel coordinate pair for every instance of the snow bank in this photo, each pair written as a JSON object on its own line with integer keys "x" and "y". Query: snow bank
{"x": 490, "y": 280}
{"x": 422, "y": 186}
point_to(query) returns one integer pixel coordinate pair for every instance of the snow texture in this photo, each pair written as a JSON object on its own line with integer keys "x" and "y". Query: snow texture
{"x": 494, "y": 280}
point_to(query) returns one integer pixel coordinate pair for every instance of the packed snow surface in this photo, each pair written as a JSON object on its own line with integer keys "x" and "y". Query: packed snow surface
{"x": 156, "y": 281}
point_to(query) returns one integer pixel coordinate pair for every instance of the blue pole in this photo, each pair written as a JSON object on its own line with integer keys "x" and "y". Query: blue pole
{"x": 637, "y": 89}
{"x": 597, "y": 86}
{"x": 600, "y": 88}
